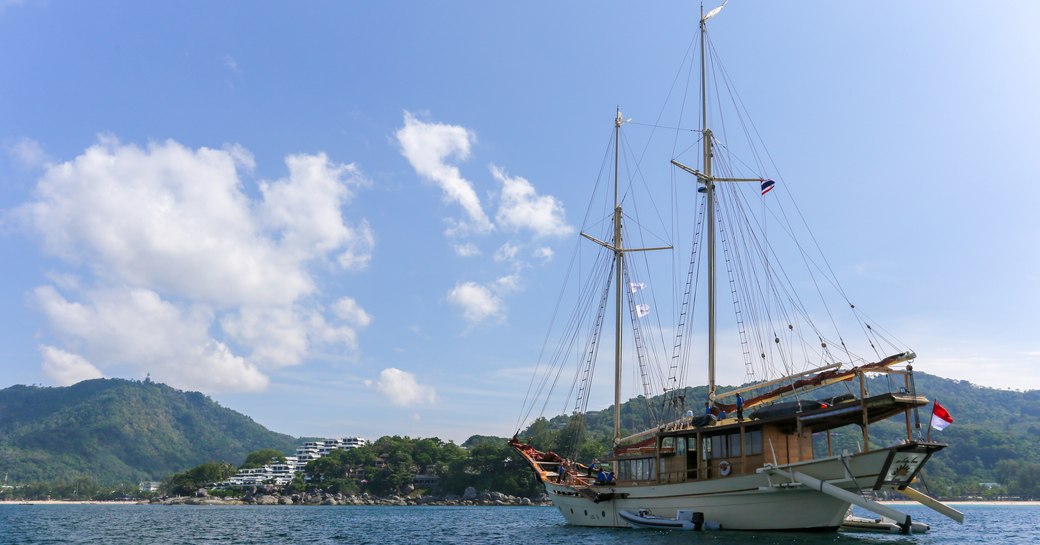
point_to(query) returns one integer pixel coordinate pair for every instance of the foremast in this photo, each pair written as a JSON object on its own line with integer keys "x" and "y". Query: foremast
{"x": 617, "y": 247}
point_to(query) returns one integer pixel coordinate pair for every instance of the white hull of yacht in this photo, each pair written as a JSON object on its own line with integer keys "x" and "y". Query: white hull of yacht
{"x": 760, "y": 501}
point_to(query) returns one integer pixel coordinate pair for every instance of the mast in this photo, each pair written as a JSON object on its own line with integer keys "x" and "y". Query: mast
{"x": 616, "y": 246}
{"x": 709, "y": 180}
{"x": 618, "y": 294}
{"x": 710, "y": 188}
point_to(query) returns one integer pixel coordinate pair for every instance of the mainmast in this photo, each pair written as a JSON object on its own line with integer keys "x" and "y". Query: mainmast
{"x": 709, "y": 185}
{"x": 709, "y": 180}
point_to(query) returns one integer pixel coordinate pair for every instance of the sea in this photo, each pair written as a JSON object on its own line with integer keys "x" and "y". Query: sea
{"x": 313, "y": 525}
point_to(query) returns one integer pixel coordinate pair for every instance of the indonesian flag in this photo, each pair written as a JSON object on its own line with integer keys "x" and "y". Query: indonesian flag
{"x": 940, "y": 417}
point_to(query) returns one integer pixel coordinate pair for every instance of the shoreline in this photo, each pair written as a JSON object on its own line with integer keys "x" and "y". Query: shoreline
{"x": 1034, "y": 503}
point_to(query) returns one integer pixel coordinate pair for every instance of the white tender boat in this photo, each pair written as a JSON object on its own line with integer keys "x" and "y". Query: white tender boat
{"x": 853, "y": 523}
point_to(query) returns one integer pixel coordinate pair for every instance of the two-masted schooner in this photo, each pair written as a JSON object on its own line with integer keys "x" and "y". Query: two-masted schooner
{"x": 746, "y": 459}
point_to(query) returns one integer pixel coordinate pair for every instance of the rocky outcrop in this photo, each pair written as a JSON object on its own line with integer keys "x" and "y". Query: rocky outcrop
{"x": 470, "y": 497}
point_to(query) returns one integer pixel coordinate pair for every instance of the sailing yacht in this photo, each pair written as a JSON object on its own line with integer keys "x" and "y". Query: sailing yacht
{"x": 746, "y": 459}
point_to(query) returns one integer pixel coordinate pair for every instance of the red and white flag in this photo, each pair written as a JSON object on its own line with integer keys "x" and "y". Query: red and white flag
{"x": 940, "y": 417}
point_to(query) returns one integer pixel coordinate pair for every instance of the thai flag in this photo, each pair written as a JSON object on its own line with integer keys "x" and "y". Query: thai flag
{"x": 767, "y": 186}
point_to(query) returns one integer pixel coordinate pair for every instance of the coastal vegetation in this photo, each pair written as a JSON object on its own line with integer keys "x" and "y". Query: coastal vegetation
{"x": 98, "y": 439}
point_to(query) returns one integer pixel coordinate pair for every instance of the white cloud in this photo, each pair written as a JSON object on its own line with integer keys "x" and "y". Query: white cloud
{"x": 348, "y": 310}
{"x": 177, "y": 256}
{"x": 170, "y": 218}
{"x": 466, "y": 250}
{"x": 136, "y": 328}
{"x": 231, "y": 64}
{"x": 428, "y": 146}
{"x": 521, "y": 207}
{"x": 305, "y": 208}
{"x": 544, "y": 253}
{"x": 506, "y": 252}
{"x": 507, "y": 284}
{"x": 477, "y": 302}
{"x": 401, "y": 388}
{"x": 66, "y": 369}
{"x": 29, "y": 153}
{"x": 277, "y": 336}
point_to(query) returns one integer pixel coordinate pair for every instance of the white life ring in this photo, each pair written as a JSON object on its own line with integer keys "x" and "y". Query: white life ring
{"x": 725, "y": 469}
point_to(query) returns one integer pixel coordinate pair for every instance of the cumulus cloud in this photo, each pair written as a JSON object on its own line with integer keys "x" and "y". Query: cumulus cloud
{"x": 29, "y": 153}
{"x": 402, "y": 389}
{"x": 521, "y": 207}
{"x": 179, "y": 259}
{"x": 305, "y": 209}
{"x": 521, "y": 212}
{"x": 66, "y": 369}
{"x": 348, "y": 310}
{"x": 136, "y": 328}
{"x": 506, "y": 252}
{"x": 466, "y": 250}
{"x": 477, "y": 302}
{"x": 428, "y": 147}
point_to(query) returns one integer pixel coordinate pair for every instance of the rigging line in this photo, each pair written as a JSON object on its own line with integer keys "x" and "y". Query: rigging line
{"x": 792, "y": 294}
{"x": 638, "y": 342}
{"x": 657, "y": 315}
{"x": 742, "y": 112}
{"x": 559, "y": 356}
{"x": 639, "y": 175}
{"x": 684, "y": 327}
{"x": 747, "y": 232}
{"x": 591, "y": 340}
{"x": 607, "y": 154}
{"x": 663, "y": 127}
{"x": 552, "y": 321}
{"x": 744, "y": 123}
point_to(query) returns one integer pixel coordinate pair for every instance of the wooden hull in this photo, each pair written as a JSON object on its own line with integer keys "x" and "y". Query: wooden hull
{"x": 758, "y": 501}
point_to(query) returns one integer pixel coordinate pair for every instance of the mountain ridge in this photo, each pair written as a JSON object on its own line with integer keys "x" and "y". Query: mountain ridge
{"x": 119, "y": 431}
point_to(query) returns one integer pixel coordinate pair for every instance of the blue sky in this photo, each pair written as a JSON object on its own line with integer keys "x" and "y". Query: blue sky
{"x": 354, "y": 218}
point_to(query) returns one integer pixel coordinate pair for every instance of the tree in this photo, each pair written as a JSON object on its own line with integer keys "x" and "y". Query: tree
{"x": 201, "y": 476}
{"x": 262, "y": 457}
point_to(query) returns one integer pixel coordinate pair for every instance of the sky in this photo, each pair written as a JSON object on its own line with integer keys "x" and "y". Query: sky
{"x": 354, "y": 218}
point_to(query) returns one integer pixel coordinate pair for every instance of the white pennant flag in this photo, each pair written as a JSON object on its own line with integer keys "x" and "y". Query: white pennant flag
{"x": 642, "y": 310}
{"x": 715, "y": 11}
{"x": 636, "y": 286}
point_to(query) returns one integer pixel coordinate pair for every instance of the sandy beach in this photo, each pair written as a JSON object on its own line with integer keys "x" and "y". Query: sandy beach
{"x": 65, "y": 502}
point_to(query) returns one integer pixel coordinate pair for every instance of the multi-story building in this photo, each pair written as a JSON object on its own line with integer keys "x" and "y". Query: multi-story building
{"x": 281, "y": 473}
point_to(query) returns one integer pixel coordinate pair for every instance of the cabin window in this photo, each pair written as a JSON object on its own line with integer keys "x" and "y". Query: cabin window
{"x": 753, "y": 442}
{"x": 641, "y": 469}
{"x": 734, "y": 444}
{"x": 725, "y": 445}
{"x": 668, "y": 445}
{"x": 680, "y": 446}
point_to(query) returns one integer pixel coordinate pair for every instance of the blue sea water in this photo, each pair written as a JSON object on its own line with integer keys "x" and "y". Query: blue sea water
{"x": 313, "y": 525}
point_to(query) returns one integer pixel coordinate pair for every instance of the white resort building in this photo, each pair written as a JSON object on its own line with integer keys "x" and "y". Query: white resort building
{"x": 280, "y": 474}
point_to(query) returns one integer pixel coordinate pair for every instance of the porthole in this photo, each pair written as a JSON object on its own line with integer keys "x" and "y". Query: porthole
{"x": 604, "y": 514}
{"x": 586, "y": 512}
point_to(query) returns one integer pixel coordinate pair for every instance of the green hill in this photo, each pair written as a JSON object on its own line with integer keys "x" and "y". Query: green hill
{"x": 120, "y": 431}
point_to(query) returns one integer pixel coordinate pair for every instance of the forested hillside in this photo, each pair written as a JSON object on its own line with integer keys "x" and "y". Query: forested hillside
{"x": 120, "y": 431}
